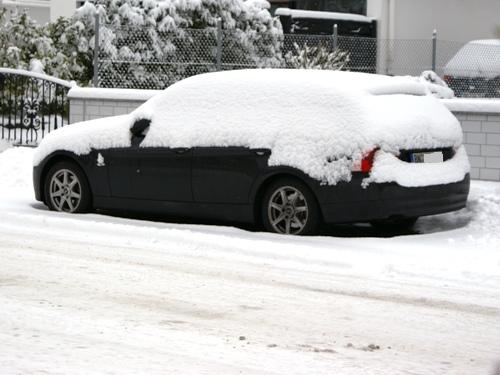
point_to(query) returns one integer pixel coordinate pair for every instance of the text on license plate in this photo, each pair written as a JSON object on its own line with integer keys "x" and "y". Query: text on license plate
{"x": 427, "y": 157}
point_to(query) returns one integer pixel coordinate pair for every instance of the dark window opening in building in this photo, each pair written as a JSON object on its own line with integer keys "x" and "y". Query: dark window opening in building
{"x": 342, "y": 6}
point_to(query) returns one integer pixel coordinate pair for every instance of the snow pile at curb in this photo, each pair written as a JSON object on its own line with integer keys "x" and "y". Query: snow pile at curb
{"x": 15, "y": 168}
{"x": 315, "y": 121}
{"x": 4, "y": 145}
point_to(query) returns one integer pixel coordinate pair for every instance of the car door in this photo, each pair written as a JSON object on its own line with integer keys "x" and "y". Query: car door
{"x": 225, "y": 174}
{"x": 162, "y": 174}
{"x": 119, "y": 164}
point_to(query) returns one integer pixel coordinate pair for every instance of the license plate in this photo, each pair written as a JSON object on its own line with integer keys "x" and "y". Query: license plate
{"x": 427, "y": 157}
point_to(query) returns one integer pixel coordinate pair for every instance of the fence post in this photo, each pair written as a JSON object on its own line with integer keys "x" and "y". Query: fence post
{"x": 335, "y": 37}
{"x": 95, "y": 78}
{"x": 434, "y": 50}
{"x": 218, "y": 56}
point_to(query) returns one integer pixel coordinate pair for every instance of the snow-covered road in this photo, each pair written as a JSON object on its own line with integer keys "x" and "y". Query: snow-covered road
{"x": 96, "y": 294}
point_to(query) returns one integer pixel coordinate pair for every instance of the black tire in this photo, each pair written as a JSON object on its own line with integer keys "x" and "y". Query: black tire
{"x": 395, "y": 225}
{"x": 63, "y": 197}
{"x": 300, "y": 211}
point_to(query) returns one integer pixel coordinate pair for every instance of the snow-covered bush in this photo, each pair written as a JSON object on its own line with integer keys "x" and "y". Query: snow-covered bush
{"x": 52, "y": 49}
{"x": 22, "y": 40}
{"x": 316, "y": 57}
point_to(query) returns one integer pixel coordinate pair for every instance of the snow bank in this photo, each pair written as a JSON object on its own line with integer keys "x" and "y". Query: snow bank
{"x": 4, "y": 145}
{"x": 479, "y": 58}
{"x": 14, "y": 171}
{"x": 316, "y": 121}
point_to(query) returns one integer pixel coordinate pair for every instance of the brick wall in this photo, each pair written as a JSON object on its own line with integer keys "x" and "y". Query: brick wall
{"x": 481, "y": 128}
{"x": 482, "y": 140}
{"x": 90, "y": 109}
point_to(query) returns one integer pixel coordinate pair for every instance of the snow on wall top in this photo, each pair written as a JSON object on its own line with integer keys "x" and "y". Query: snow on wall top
{"x": 472, "y": 105}
{"x": 111, "y": 94}
{"x": 312, "y": 120}
{"x": 299, "y": 13}
{"x": 479, "y": 58}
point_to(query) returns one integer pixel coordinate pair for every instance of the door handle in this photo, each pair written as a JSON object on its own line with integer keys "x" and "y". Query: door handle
{"x": 181, "y": 150}
{"x": 262, "y": 152}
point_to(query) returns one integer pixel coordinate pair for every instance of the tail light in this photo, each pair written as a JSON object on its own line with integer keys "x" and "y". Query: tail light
{"x": 448, "y": 79}
{"x": 364, "y": 165}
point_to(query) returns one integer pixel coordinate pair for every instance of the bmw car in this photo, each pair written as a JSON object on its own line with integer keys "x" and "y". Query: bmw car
{"x": 285, "y": 149}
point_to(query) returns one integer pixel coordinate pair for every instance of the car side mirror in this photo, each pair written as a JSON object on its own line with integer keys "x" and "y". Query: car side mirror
{"x": 139, "y": 127}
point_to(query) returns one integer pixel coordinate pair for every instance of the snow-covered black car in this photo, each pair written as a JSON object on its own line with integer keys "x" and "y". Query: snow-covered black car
{"x": 287, "y": 148}
{"x": 475, "y": 70}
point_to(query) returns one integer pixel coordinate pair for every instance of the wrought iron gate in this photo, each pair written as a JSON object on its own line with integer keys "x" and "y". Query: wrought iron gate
{"x": 31, "y": 105}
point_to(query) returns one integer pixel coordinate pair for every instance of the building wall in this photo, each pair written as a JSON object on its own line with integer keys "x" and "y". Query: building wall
{"x": 42, "y": 11}
{"x": 62, "y": 8}
{"x": 38, "y": 10}
{"x": 456, "y": 22}
{"x": 481, "y": 129}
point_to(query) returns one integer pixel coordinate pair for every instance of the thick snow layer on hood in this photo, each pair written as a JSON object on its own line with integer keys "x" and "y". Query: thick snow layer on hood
{"x": 477, "y": 59}
{"x": 81, "y": 138}
{"x": 316, "y": 121}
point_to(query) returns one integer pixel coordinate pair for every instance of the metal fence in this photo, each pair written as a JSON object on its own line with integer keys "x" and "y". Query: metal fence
{"x": 145, "y": 58}
{"x": 31, "y": 105}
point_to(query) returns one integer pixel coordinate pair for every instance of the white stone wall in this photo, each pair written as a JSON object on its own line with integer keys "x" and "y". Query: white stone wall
{"x": 482, "y": 140}
{"x": 481, "y": 130}
{"x": 90, "y": 109}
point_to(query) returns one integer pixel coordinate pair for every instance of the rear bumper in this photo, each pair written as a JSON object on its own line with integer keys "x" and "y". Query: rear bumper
{"x": 382, "y": 201}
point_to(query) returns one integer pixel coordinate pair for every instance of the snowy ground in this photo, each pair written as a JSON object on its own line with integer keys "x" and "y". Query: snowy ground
{"x": 95, "y": 294}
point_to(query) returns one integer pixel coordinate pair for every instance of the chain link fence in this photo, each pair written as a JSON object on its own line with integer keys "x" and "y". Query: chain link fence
{"x": 145, "y": 58}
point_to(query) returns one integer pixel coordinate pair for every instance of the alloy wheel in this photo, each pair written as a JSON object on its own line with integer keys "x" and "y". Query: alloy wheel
{"x": 65, "y": 191}
{"x": 288, "y": 210}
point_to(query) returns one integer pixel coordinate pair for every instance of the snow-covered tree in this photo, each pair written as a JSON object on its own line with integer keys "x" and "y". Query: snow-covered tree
{"x": 316, "y": 57}
{"x": 22, "y": 40}
{"x": 153, "y": 43}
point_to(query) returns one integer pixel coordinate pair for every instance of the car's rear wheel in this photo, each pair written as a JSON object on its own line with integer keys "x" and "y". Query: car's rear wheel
{"x": 289, "y": 207}
{"x": 399, "y": 224}
{"x": 66, "y": 188}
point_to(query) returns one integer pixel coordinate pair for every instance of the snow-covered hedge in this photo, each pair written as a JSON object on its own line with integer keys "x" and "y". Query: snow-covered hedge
{"x": 317, "y": 121}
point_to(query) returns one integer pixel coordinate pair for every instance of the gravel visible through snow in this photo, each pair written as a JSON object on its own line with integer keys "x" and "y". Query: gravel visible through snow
{"x": 97, "y": 294}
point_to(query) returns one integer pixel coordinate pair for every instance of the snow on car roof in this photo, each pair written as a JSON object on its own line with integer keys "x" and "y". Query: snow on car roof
{"x": 299, "y": 13}
{"x": 313, "y": 120}
{"x": 477, "y": 59}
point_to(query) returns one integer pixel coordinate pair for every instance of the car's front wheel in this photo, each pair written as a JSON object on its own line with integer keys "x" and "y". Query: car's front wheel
{"x": 289, "y": 207}
{"x": 66, "y": 188}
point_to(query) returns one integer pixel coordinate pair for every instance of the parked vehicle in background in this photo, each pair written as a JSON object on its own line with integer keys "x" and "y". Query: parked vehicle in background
{"x": 475, "y": 70}
{"x": 339, "y": 147}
